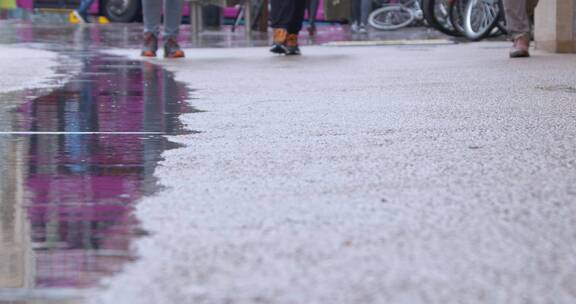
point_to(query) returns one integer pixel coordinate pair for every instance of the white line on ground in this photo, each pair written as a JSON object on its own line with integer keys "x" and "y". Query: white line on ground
{"x": 390, "y": 42}
{"x": 24, "y": 294}
{"x": 81, "y": 133}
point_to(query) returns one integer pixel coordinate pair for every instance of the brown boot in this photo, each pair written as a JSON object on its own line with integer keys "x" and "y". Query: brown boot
{"x": 172, "y": 48}
{"x": 149, "y": 45}
{"x": 279, "y": 41}
{"x": 292, "y": 45}
{"x": 521, "y": 47}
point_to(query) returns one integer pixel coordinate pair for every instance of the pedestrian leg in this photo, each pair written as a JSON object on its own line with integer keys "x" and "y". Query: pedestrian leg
{"x": 84, "y": 7}
{"x": 518, "y": 25}
{"x": 151, "y": 11}
{"x": 172, "y": 17}
{"x": 280, "y": 14}
{"x": 172, "y": 20}
{"x": 297, "y": 18}
{"x": 517, "y": 21}
{"x": 365, "y": 10}
{"x": 355, "y": 15}
{"x": 312, "y": 12}
{"x": 294, "y": 27}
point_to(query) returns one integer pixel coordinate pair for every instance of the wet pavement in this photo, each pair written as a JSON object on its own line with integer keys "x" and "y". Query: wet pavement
{"x": 76, "y": 160}
{"x": 81, "y": 155}
{"x": 376, "y": 175}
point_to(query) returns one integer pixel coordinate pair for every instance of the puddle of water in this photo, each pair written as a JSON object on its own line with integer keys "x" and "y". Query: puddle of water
{"x": 69, "y": 180}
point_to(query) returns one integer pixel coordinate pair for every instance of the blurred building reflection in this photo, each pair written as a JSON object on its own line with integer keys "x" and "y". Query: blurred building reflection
{"x": 78, "y": 188}
{"x": 16, "y": 262}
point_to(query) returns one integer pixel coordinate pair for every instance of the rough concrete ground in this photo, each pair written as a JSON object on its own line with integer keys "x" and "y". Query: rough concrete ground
{"x": 365, "y": 175}
{"x": 23, "y": 67}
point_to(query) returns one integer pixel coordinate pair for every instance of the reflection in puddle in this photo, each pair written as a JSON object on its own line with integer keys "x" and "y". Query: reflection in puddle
{"x": 66, "y": 198}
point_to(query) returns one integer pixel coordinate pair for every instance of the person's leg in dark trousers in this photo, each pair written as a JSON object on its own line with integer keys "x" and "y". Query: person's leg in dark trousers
{"x": 297, "y": 18}
{"x": 312, "y": 6}
{"x": 280, "y": 15}
{"x": 359, "y": 17}
{"x": 294, "y": 27}
{"x": 287, "y": 17}
{"x": 355, "y": 15}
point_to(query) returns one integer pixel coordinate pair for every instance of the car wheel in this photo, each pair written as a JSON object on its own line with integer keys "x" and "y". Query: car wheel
{"x": 121, "y": 10}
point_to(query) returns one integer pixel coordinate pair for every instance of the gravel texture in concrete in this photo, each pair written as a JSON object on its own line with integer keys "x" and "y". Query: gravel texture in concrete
{"x": 24, "y": 67}
{"x": 413, "y": 174}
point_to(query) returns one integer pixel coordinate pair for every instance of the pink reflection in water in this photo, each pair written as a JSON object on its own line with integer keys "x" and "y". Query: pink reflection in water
{"x": 81, "y": 189}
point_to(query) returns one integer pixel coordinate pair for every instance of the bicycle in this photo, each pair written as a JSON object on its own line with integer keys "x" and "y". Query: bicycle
{"x": 396, "y": 15}
{"x": 474, "y": 19}
{"x": 481, "y": 18}
{"x": 256, "y": 8}
{"x": 437, "y": 14}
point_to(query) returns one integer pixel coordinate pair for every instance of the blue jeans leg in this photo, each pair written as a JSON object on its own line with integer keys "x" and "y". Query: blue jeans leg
{"x": 172, "y": 17}
{"x": 84, "y": 7}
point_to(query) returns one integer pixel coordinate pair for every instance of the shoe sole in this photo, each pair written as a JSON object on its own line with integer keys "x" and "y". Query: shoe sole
{"x": 520, "y": 55}
{"x": 293, "y": 51}
{"x": 175, "y": 54}
{"x": 278, "y": 49}
{"x": 148, "y": 54}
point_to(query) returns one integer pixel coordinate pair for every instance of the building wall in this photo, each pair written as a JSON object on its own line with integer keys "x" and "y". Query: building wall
{"x": 555, "y": 28}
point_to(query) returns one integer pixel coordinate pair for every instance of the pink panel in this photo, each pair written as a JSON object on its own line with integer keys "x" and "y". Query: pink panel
{"x": 26, "y": 4}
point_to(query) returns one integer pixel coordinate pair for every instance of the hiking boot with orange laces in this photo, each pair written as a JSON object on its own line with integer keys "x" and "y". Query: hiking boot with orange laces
{"x": 150, "y": 45}
{"x": 521, "y": 47}
{"x": 172, "y": 49}
{"x": 279, "y": 41}
{"x": 292, "y": 47}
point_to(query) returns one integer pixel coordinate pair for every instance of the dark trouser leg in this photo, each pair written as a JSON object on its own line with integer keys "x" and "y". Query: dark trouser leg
{"x": 295, "y": 24}
{"x": 365, "y": 10}
{"x": 281, "y": 12}
{"x": 313, "y": 11}
{"x": 84, "y": 7}
{"x": 356, "y": 11}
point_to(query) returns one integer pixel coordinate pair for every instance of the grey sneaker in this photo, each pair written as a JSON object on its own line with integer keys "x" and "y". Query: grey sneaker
{"x": 149, "y": 45}
{"x": 172, "y": 49}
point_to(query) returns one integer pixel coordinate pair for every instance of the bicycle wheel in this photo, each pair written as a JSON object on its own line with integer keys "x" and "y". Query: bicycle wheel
{"x": 456, "y": 12}
{"x": 436, "y": 13}
{"x": 501, "y": 24}
{"x": 480, "y": 19}
{"x": 391, "y": 17}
